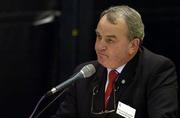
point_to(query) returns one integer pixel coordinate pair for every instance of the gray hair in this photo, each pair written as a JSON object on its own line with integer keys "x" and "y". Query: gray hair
{"x": 131, "y": 17}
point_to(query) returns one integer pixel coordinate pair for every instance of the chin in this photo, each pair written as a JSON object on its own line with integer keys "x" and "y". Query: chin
{"x": 106, "y": 65}
{"x": 110, "y": 66}
{"x": 102, "y": 63}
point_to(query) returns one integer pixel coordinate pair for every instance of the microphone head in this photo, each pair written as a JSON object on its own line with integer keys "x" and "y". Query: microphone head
{"x": 88, "y": 70}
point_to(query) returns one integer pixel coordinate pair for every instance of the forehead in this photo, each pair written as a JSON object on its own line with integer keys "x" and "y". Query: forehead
{"x": 106, "y": 27}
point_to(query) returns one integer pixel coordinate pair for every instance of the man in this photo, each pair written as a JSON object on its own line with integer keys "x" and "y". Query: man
{"x": 145, "y": 84}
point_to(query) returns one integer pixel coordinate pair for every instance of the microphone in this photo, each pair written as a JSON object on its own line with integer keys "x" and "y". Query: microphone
{"x": 85, "y": 72}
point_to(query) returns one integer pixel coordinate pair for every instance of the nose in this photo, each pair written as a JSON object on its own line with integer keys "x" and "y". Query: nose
{"x": 100, "y": 46}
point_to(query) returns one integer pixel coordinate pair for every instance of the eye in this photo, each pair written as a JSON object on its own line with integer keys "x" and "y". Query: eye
{"x": 109, "y": 40}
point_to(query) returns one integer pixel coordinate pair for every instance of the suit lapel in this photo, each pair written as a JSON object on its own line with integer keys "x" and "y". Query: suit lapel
{"x": 126, "y": 77}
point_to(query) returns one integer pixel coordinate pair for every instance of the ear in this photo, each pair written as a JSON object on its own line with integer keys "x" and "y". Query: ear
{"x": 134, "y": 46}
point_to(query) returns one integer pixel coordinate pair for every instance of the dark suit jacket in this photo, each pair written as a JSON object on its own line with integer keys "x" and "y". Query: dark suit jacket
{"x": 147, "y": 83}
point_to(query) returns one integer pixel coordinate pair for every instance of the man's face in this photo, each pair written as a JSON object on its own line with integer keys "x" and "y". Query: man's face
{"x": 112, "y": 46}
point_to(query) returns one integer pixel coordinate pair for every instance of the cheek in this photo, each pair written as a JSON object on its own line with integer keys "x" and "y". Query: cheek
{"x": 120, "y": 52}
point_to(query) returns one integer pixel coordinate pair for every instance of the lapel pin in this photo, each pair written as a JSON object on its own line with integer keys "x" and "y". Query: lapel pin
{"x": 123, "y": 81}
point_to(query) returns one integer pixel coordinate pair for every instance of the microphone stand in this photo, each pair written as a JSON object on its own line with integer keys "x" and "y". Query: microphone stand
{"x": 41, "y": 99}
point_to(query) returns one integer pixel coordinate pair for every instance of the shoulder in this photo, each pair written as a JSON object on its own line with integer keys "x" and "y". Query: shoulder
{"x": 155, "y": 66}
{"x": 151, "y": 59}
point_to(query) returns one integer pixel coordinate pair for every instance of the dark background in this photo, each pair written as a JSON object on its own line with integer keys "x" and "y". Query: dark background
{"x": 34, "y": 58}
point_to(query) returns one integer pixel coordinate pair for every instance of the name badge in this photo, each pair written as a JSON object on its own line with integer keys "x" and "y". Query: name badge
{"x": 125, "y": 110}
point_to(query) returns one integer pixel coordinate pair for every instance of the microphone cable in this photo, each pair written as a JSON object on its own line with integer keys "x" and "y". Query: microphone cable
{"x": 41, "y": 99}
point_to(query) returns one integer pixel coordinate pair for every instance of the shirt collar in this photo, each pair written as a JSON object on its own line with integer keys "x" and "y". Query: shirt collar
{"x": 119, "y": 69}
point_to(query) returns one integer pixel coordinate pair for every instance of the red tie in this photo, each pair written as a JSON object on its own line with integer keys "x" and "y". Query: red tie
{"x": 112, "y": 77}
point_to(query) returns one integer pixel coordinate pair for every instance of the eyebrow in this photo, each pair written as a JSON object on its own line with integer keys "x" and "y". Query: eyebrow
{"x": 110, "y": 36}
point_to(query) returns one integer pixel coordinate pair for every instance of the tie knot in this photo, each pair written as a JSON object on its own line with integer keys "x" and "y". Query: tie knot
{"x": 113, "y": 75}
